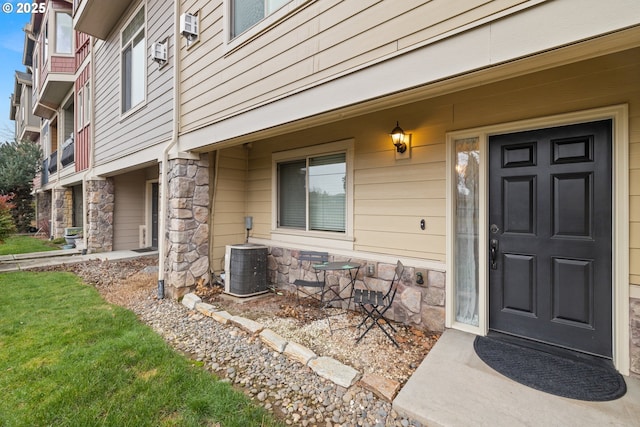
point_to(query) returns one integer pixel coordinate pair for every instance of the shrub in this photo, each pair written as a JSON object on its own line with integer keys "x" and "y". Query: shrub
{"x": 7, "y": 227}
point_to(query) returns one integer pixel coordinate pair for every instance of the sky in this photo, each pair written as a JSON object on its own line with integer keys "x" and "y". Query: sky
{"x": 11, "y": 45}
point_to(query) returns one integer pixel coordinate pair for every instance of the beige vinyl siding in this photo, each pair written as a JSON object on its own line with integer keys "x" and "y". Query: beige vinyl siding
{"x": 392, "y": 196}
{"x": 117, "y": 136}
{"x": 229, "y": 204}
{"x": 128, "y": 212}
{"x": 317, "y": 42}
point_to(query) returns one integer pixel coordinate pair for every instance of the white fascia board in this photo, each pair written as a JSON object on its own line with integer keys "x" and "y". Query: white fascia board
{"x": 531, "y": 31}
{"x": 140, "y": 159}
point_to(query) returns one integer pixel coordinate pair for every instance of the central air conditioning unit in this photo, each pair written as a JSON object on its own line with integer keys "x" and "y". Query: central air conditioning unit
{"x": 189, "y": 26}
{"x": 245, "y": 269}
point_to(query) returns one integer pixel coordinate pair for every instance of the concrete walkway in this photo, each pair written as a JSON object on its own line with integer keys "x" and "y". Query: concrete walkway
{"x": 66, "y": 256}
{"x": 453, "y": 387}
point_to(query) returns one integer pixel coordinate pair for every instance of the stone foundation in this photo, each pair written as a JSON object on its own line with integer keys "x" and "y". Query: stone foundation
{"x": 62, "y": 211}
{"x": 634, "y": 323}
{"x": 100, "y": 203}
{"x": 187, "y": 255}
{"x": 43, "y": 209}
{"x": 416, "y": 304}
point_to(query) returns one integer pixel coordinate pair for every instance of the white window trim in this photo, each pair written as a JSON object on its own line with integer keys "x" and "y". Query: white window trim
{"x": 141, "y": 104}
{"x": 46, "y": 41}
{"x": 325, "y": 239}
{"x": 259, "y": 27}
{"x": 620, "y": 229}
{"x": 53, "y": 40}
{"x": 80, "y": 110}
{"x": 87, "y": 104}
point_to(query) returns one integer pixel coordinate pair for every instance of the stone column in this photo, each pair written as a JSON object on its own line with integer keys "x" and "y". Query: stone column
{"x": 100, "y": 203}
{"x": 187, "y": 245}
{"x": 62, "y": 206}
{"x": 634, "y": 320}
{"x": 43, "y": 212}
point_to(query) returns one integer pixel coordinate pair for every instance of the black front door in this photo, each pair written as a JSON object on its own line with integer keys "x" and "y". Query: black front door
{"x": 550, "y": 236}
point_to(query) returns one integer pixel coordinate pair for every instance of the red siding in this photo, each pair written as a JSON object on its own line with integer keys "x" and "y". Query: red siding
{"x": 63, "y": 64}
{"x": 82, "y": 47}
{"x": 83, "y": 136}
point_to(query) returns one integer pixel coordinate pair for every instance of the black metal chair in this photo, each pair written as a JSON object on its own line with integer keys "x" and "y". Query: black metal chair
{"x": 317, "y": 286}
{"x": 375, "y": 304}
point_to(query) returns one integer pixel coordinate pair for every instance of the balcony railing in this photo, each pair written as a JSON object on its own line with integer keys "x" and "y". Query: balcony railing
{"x": 53, "y": 162}
{"x": 67, "y": 153}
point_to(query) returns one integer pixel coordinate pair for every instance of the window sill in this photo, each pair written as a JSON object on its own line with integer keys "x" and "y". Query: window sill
{"x": 263, "y": 25}
{"x": 131, "y": 111}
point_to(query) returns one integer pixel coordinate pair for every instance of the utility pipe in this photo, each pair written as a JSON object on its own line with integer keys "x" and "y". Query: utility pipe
{"x": 164, "y": 191}
{"x": 92, "y": 139}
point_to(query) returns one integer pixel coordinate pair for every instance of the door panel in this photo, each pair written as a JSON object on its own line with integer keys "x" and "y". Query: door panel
{"x": 550, "y": 201}
{"x": 520, "y": 284}
{"x": 573, "y": 291}
{"x": 572, "y": 205}
{"x": 519, "y": 195}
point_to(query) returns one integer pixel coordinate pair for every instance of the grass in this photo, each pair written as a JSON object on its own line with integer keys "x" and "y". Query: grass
{"x": 25, "y": 244}
{"x": 68, "y": 358}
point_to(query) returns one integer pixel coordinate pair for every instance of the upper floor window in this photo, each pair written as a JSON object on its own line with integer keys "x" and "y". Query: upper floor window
{"x": 45, "y": 43}
{"x": 87, "y": 103}
{"x": 133, "y": 62}
{"x": 246, "y": 13}
{"x": 64, "y": 33}
{"x": 80, "y": 111}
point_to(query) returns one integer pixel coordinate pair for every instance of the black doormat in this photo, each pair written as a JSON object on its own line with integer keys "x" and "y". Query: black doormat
{"x": 143, "y": 250}
{"x": 551, "y": 370}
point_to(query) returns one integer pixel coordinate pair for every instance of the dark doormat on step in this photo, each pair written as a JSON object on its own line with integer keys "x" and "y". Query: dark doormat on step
{"x": 143, "y": 250}
{"x": 551, "y": 370}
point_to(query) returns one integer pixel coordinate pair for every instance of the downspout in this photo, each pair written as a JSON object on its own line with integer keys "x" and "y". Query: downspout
{"x": 92, "y": 138}
{"x": 164, "y": 191}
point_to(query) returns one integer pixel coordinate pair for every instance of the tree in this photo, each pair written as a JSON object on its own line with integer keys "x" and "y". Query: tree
{"x": 6, "y": 221}
{"x": 19, "y": 163}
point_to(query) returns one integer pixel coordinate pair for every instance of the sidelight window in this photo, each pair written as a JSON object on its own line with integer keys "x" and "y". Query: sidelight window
{"x": 466, "y": 191}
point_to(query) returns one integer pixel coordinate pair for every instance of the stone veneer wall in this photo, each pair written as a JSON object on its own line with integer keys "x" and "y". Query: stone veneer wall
{"x": 187, "y": 253}
{"x": 419, "y": 305}
{"x": 62, "y": 211}
{"x": 43, "y": 203}
{"x": 634, "y": 317}
{"x": 100, "y": 204}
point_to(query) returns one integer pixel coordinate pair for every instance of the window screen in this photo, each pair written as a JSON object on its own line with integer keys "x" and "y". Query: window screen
{"x": 312, "y": 193}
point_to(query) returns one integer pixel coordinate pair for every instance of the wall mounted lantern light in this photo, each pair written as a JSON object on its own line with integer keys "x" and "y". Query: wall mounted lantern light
{"x": 401, "y": 141}
{"x": 397, "y": 136}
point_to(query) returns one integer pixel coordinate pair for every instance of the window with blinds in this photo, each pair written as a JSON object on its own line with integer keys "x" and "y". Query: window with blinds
{"x": 312, "y": 193}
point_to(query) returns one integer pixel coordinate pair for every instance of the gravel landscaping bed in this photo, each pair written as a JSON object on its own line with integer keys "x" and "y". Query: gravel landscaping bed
{"x": 287, "y": 388}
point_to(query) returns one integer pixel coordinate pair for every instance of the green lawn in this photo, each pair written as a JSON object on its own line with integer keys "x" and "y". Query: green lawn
{"x": 68, "y": 358}
{"x": 25, "y": 244}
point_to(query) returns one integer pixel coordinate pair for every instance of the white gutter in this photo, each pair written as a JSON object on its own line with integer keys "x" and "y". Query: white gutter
{"x": 164, "y": 198}
{"x": 92, "y": 139}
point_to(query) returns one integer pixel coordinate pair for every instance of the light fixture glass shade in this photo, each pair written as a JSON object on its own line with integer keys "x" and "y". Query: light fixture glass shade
{"x": 397, "y": 136}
